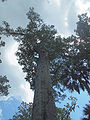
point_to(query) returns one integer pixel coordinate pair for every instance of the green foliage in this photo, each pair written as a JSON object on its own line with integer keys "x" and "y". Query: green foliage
{"x": 4, "y": 86}
{"x": 69, "y": 58}
{"x": 24, "y": 112}
{"x": 87, "y": 112}
{"x": 64, "y": 113}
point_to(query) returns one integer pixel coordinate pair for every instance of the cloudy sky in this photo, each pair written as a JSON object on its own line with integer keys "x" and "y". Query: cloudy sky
{"x": 61, "y": 13}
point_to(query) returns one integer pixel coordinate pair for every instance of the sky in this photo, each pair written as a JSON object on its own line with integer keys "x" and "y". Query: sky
{"x": 61, "y": 13}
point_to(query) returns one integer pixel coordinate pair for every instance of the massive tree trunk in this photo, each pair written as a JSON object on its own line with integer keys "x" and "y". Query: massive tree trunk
{"x": 43, "y": 106}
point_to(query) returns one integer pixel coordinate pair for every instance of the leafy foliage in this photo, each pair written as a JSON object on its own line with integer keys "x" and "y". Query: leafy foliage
{"x": 64, "y": 113}
{"x": 24, "y": 112}
{"x": 4, "y": 86}
{"x": 87, "y": 112}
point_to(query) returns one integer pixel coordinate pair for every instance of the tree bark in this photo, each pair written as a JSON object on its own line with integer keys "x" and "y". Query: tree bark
{"x": 43, "y": 106}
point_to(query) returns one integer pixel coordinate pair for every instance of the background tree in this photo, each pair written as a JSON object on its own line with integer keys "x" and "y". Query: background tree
{"x": 4, "y": 86}
{"x": 51, "y": 61}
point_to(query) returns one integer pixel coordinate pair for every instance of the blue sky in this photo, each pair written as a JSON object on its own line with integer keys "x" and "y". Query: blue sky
{"x": 9, "y": 107}
{"x": 61, "y": 13}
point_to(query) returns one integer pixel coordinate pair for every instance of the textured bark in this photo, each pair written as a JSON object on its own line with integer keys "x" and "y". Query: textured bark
{"x": 44, "y": 106}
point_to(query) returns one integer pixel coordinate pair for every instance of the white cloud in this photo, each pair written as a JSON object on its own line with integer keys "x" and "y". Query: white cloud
{"x": 82, "y": 6}
{"x": 64, "y": 17}
{"x": 66, "y": 21}
{"x": 57, "y": 2}
{"x": 10, "y": 54}
{"x": 29, "y": 93}
{"x": 19, "y": 86}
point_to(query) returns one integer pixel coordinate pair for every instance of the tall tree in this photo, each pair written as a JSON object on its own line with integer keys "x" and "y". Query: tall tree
{"x": 51, "y": 61}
